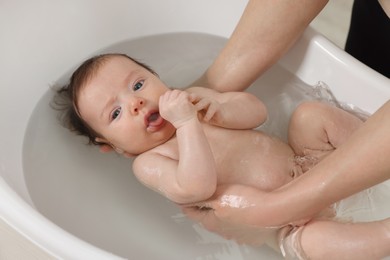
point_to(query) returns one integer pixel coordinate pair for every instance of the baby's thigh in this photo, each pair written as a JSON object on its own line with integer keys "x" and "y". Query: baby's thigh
{"x": 317, "y": 127}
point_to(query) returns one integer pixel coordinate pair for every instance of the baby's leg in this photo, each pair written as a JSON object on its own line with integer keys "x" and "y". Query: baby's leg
{"x": 318, "y": 128}
{"x": 322, "y": 239}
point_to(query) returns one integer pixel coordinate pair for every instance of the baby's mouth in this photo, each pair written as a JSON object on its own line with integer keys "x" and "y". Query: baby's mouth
{"x": 154, "y": 121}
{"x": 153, "y": 117}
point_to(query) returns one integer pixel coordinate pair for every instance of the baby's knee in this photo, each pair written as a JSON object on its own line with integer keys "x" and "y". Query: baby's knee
{"x": 310, "y": 109}
{"x": 305, "y": 113}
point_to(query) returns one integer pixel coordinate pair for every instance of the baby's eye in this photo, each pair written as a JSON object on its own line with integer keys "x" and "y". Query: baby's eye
{"x": 116, "y": 113}
{"x": 138, "y": 85}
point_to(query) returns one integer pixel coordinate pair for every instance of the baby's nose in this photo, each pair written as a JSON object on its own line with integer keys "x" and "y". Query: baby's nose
{"x": 137, "y": 104}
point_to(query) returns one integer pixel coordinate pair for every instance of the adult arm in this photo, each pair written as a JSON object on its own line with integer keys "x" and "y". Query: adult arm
{"x": 334, "y": 240}
{"x": 266, "y": 30}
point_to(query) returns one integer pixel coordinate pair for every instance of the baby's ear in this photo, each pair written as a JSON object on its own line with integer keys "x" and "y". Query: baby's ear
{"x": 107, "y": 147}
{"x": 104, "y": 146}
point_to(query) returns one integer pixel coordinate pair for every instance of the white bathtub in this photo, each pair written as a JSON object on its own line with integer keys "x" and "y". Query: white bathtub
{"x": 74, "y": 203}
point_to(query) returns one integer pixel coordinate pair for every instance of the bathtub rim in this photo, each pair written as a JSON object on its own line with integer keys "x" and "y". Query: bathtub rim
{"x": 42, "y": 232}
{"x": 332, "y": 59}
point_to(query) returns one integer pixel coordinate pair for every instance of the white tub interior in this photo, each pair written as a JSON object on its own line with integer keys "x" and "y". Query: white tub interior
{"x": 75, "y": 202}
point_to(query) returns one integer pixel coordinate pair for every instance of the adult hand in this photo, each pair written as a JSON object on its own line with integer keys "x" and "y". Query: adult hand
{"x": 241, "y": 213}
{"x": 224, "y": 214}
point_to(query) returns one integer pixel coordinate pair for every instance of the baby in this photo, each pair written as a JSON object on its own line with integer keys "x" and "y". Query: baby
{"x": 188, "y": 142}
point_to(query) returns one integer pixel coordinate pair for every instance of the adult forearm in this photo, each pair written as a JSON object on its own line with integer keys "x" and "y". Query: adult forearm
{"x": 358, "y": 164}
{"x": 264, "y": 33}
{"x": 333, "y": 240}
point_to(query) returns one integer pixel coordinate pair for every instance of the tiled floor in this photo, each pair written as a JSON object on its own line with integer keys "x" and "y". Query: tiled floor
{"x": 333, "y": 21}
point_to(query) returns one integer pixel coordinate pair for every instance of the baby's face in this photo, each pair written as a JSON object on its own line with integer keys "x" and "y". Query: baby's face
{"x": 121, "y": 103}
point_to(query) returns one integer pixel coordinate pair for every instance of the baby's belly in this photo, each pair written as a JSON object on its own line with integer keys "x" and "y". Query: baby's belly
{"x": 260, "y": 161}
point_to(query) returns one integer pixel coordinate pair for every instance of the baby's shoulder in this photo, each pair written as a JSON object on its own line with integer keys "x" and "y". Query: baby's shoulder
{"x": 166, "y": 150}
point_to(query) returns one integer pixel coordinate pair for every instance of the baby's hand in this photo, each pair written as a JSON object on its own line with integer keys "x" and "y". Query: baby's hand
{"x": 177, "y": 108}
{"x": 209, "y": 107}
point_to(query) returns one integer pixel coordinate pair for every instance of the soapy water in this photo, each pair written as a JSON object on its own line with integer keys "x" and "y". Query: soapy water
{"x": 96, "y": 197}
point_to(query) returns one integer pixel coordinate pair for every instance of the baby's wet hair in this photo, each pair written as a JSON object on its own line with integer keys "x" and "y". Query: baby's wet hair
{"x": 66, "y": 97}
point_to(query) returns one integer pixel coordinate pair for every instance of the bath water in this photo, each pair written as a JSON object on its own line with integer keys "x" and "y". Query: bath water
{"x": 95, "y": 196}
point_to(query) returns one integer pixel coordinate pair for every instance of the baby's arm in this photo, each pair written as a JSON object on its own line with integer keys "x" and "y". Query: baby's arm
{"x": 321, "y": 239}
{"x": 234, "y": 110}
{"x": 191, "y": 176}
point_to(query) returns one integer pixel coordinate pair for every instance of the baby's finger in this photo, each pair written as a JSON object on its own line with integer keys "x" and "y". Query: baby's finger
{"x": 175, "y": 93}
{"x": 202, "y": 104}
{"x": 165, "y": 96}
{"x": 212, "y": 109}
{"x": 194, "y": 98}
